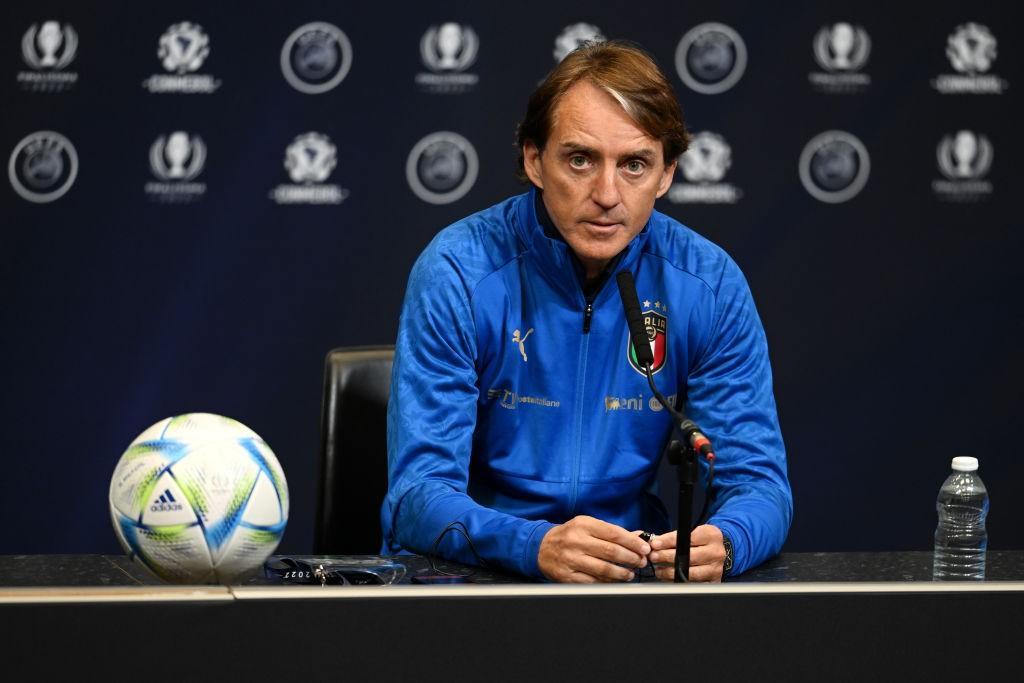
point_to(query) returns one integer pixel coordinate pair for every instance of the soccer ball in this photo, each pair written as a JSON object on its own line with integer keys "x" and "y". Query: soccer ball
{"x": 199, "y": 498}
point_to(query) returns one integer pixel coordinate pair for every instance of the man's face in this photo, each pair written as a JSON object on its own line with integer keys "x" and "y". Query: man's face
{"x": 600, "y": 174}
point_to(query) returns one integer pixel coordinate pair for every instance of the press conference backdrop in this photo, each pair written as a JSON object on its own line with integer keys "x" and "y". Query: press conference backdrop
{"x": 202, "y": 199}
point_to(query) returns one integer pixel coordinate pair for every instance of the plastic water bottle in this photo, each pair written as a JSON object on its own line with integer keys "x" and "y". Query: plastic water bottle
{"x": 960, "y": 537}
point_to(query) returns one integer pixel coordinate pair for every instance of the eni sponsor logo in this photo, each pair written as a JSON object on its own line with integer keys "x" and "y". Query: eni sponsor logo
{"x": 635, "y": 403}
{"x": 510, "y": 400}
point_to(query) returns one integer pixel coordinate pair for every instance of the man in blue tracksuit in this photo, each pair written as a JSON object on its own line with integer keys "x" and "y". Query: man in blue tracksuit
{"x": 518, "y": 408}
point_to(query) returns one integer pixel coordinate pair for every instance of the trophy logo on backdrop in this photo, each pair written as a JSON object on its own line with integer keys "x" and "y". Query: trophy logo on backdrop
{"x": 964, "y": 158}
{"x": 182, "y": 49}
{"x": 703, "y": 166}
{"x": 43, "y": 166}
{"x": 834, "y": 166}
{"x": 48, "y": 48}
{"x": 175, "y": 161}
{"x": 971, "y": 50}
{"x": 316, "y": 57}
{"x": 442, "y": 167}
{"x": 841, "y": 50}
{"x": 447, "y": 51}
{"x": 711, "y": 58}
{"x": 573, "y": 36}
{"x": 309, "y": 161}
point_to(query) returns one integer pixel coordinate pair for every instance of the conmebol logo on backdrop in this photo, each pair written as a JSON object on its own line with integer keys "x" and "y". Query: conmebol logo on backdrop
{"x": 971, "y": 50}
{"x": 703, "y": 166}
{"x": 309, "y": 161}
{"x": 43, "y": 166}
{"x": 834, "y": 166}
{"x": 573, "y": 36}
{"x": 447, "y": 51}
{"x": 442, "y": 167}
{"x": 964, "y": 158}
{"x": 711, "y": 58}
{"x": 182, "y": 49}
{"x": 175, "y": 161}
{"x": 316, "y": 57}
{"x": 48, "y": 48}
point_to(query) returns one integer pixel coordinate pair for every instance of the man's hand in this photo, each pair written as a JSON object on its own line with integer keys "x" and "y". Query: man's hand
{"x": 707, "y": 554}
{"x": 587, "y": 550}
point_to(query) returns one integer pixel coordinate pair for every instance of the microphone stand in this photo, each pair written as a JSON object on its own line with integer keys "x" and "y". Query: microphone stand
{"x": 685, "y": 461}
{"x": 683, "y": 455}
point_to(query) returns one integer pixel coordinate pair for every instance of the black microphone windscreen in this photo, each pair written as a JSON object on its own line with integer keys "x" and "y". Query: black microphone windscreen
{"x": 634, "y": 318}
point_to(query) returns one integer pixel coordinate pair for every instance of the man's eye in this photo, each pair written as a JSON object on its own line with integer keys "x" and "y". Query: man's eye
{"x": 635, "y": 166}
{"x": 578, "y": 160}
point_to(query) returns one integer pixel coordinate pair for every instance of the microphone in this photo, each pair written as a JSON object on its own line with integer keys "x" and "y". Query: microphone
{"x": 645, "y": 357}
{"x": 692, "y": 434}
{"x": 634, "y": 318}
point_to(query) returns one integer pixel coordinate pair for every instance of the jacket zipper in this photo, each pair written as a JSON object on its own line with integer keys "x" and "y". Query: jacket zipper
{"x": 581, "y": 380}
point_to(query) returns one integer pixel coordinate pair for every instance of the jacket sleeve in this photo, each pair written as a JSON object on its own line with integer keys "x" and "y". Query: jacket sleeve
{"x": 729, "y": 395}
{"x": 431, "y": 419}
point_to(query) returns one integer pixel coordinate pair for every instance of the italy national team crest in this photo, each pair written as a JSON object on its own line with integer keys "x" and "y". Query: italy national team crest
{"x": 656, "y": 324}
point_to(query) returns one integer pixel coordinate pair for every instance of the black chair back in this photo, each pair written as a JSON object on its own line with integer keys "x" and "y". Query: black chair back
{"x": 353, "y": 450}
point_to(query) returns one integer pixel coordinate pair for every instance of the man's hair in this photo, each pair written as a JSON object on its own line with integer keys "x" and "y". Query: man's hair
{"x": 627, "y": 73}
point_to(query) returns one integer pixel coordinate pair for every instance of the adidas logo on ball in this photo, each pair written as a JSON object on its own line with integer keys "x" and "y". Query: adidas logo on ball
{"x": 165, "y": 503}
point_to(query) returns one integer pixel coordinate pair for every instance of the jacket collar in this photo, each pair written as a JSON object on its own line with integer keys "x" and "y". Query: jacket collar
{"x": 552, "y": 254}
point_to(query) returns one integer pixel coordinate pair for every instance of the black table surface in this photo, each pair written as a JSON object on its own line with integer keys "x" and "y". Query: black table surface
{"x": 118, "y": 570}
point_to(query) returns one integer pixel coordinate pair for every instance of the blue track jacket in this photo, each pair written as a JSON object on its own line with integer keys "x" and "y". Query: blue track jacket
{"x": 508, "y": 415}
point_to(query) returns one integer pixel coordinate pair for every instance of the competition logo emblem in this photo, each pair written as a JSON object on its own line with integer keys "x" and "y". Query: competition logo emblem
{"x": 309, "y": 160}
{"x": 442, "y": 167}
{"x": 182, "y": 49}
{"x": 316, "y": 57}
{"x": 43, "y": 166}
{"x": 448, "y": 50}
{"x": 841, "y": 50}
{"x": 971, "y": 50}
{"x": 573, "y": 36}
{"x": 834, "y": 167}
{"x": 703, "y": 166}
{"x": 964, "y": 159}
{"x": 48, "y": 49}
{"x": 656, "y": 324}
{"x": 711, "y": 58}
{"x": 175, "y": 161}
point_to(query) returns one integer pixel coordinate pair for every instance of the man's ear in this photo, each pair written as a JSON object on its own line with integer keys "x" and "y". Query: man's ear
{"x": 666, "y": 179}
{"x": 532, "y": 164}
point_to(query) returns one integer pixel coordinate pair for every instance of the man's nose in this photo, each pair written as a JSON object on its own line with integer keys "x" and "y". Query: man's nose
{"x": 605, "y": 192}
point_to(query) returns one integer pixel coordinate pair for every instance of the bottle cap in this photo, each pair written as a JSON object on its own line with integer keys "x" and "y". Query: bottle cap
{"x": 965, "y": 464}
